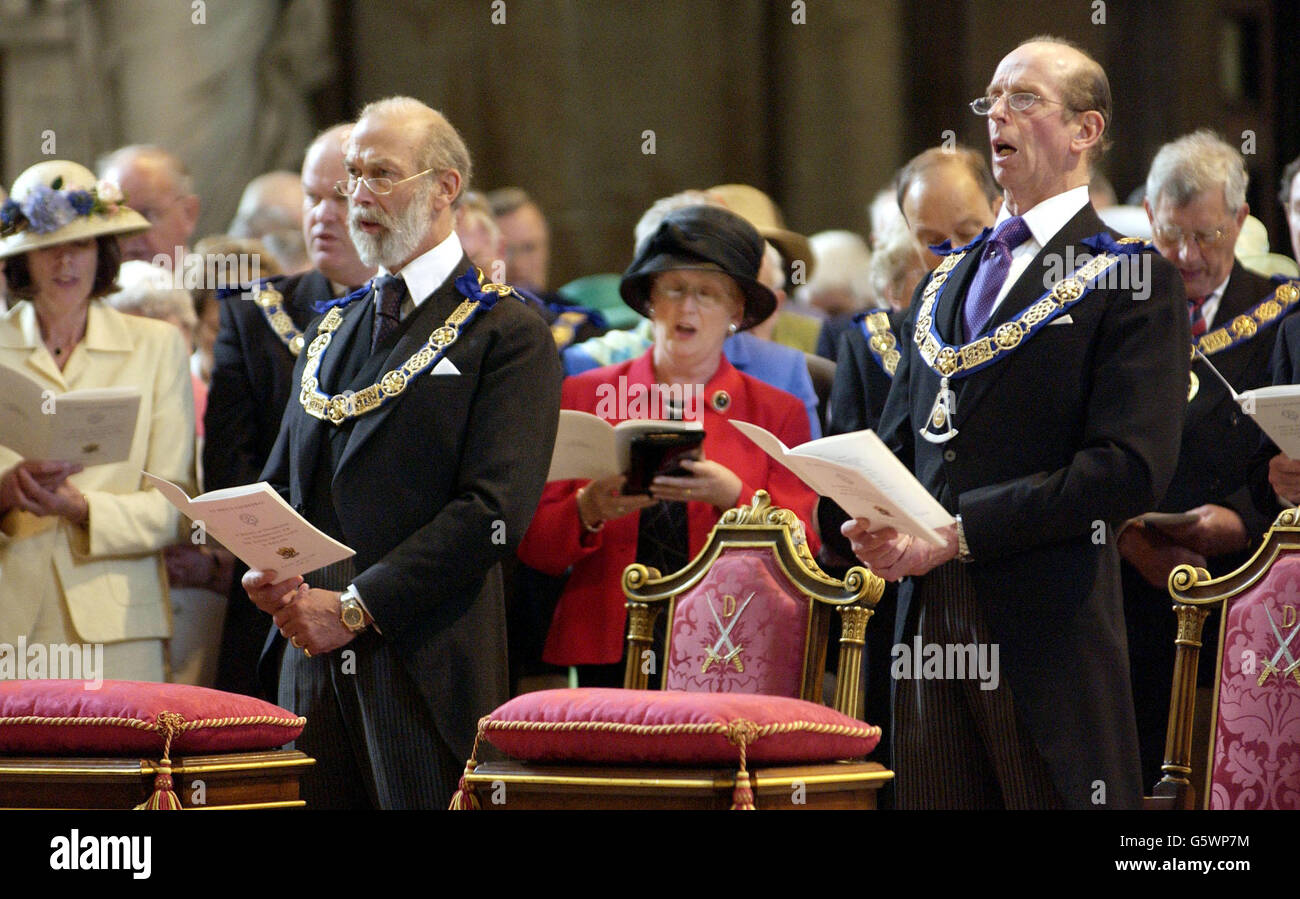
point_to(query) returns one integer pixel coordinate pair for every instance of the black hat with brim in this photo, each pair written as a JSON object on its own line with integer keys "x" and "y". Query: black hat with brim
{"x": 702, "y": 238}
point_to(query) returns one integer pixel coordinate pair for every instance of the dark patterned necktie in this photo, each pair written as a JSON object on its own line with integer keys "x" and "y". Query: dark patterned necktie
{"x": 1199, "y": 324}
{"x": 390, "y": 291}
{"x": 994, "y": 265}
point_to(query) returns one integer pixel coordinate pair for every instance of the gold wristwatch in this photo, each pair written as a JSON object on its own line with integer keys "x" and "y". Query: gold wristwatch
{"x": 350, "y": 611}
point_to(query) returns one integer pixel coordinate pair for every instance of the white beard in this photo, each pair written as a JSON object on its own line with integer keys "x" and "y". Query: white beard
{"x": 402, "y": 234}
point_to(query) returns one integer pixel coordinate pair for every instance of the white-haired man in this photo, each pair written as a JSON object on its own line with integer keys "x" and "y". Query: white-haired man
{"x": 1196, "y": 203}
{"x": 420, "y": 437}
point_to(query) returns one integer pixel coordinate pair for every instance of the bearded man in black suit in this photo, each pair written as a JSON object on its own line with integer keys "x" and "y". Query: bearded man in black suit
{"x": 1032, "y": 399}
{"x": 420, "y": 436}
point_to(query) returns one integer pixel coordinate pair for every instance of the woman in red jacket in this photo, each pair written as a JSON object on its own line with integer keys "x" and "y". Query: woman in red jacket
{"x": 695, "y": 278}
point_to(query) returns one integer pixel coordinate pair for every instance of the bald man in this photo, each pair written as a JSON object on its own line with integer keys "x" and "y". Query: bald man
{"x": 1035, "y": 428}
{"x": 158, "y": 186}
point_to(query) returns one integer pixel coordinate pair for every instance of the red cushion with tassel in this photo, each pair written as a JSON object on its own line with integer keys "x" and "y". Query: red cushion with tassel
{"x": 70, "y": 717}
{"x": 672, "y": 727}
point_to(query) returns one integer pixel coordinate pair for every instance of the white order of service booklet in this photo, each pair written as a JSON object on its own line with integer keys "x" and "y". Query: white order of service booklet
{"x": 859, "y": 472}
{"x": 257, "y": 525}
{"x": 94, "y": 426}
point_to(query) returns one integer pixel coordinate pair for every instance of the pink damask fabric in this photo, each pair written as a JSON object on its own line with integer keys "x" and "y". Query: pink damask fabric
{"x": 740, "y": 630}
{"x": 1257, "y": 739}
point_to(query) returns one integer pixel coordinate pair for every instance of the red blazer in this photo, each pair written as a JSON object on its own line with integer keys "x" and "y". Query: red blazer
{"x": 589, "y": 622}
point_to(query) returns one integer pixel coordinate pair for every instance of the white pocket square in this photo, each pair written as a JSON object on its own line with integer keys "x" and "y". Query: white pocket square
{"x": 1063, "y": 320}
{"x": 445, "y": 367}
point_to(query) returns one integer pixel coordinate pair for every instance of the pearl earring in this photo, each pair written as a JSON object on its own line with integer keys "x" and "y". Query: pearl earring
{"x": 731, "y": 328}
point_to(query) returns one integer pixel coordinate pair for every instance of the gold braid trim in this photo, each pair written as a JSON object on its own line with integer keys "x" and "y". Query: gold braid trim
{"x": 168, "y": 723}
{"x": 737, "y": 729}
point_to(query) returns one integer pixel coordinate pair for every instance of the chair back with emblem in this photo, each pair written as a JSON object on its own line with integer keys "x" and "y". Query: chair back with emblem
{"x": 751, "y": 613}
{"x": 1254, "y": 736}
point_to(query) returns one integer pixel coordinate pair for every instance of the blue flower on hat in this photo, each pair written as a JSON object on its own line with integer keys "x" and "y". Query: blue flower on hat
{"x": 10, "y": 213}
{"x": 47, "y": 209}
{"x": 83, "y": 201}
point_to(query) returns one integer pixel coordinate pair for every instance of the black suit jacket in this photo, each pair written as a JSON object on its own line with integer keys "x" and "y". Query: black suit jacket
{"x": 1070, "y": 432}
{"x": 1219, "y": 439}
{"x": 434, "y": 489}
{"x": 251, "y": 375}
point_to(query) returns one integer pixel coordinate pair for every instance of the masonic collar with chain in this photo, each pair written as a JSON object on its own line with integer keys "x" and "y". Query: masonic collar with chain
{"x": 881, "y": 342}
{"x": 1249, "y": 324}
{"x": 950, "y": 361}
{"x": 479, "y": 296}
{"x": 271, "y": 302}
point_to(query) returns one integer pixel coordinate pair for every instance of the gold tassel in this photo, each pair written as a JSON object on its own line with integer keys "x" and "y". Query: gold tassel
{"x": 164, "y": 796}
{"x": 465, "y": 799}
{"x": 742, "y": 795}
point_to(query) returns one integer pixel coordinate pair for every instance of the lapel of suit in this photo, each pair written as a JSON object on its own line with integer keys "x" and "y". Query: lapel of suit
{"x": 430, "y": 314}
{"x": 308, "y": 442}
{"x": 1029, "y": 287}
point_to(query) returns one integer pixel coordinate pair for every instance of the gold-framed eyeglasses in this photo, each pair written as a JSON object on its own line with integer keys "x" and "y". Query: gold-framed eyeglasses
{"x": 714, "y": 296}
{"x": 1204, "y": 240}
{"x": 377, "y": 186}
{"x": 1020, "y": 101}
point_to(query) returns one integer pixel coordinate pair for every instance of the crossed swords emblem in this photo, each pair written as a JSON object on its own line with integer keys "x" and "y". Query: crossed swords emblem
{"x": 1283, "y": 649}
{"x": 712, "y": 653}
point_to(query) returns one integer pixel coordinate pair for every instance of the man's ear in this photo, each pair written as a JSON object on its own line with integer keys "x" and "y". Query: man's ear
{"x": 190, "y": 205}
{"x": 1088, "y": 128}
{"x": 447, "y": 185}
{"x": 1241, "y": 214}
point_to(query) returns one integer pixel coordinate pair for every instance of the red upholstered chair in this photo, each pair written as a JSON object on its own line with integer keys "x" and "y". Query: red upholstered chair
{"x": 740, "y": 722}
{"x": 1254, "y": 738}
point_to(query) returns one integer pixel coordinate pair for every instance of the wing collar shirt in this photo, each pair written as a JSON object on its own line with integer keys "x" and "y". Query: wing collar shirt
{"x": 425, "y": 273}
{"x": 1044, "y": 220}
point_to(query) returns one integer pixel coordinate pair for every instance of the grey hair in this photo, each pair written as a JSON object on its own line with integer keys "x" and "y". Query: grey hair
{"x": 651, "y": 219}
{"x": 180, "y": 175}
{"x": 1194, "y": 164}
{"x": 443, "y": 148}
{"x": 161, "y": 303}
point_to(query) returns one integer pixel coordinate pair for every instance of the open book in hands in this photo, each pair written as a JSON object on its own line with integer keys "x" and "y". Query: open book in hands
{"x": 859, "y": 472}
{"x": 1275, "y": 409}
{"x": 587, "y": 446}
{"x": 257, "y": 525}
{"x": 88, "y": 427}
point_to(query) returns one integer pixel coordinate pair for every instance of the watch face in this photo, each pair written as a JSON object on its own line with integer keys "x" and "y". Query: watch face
{"x": 352, "y": 616}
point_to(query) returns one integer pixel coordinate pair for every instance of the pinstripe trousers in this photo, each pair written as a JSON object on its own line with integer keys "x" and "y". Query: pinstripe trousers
{"x": 957, "y": 746}
{"x": 368, "y": 728}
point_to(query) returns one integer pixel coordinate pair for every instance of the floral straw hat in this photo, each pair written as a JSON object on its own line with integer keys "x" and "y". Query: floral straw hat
{"x": 58, "y": 201}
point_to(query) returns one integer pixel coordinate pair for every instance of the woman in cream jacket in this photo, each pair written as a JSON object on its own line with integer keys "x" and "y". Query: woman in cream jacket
{"x": 80, "y": 549}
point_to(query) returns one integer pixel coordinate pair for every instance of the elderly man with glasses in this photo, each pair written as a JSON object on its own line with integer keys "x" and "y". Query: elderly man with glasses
{"x": 1196, "y": 202}
{"x": 1036, "y": 407}
{"x": 420, "y": 435}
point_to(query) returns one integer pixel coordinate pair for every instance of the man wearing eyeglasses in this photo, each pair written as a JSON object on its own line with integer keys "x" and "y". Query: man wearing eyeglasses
{"x": 158, "y": 186}
{"x": 1038, "y": 415}
{"x": 1196, "y": 202}
{"x": 420, "y": 435}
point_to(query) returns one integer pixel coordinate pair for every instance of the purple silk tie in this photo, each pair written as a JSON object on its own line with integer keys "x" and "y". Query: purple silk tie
{"x": 994, "y": 266}
{"x": 388, "y": 314}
